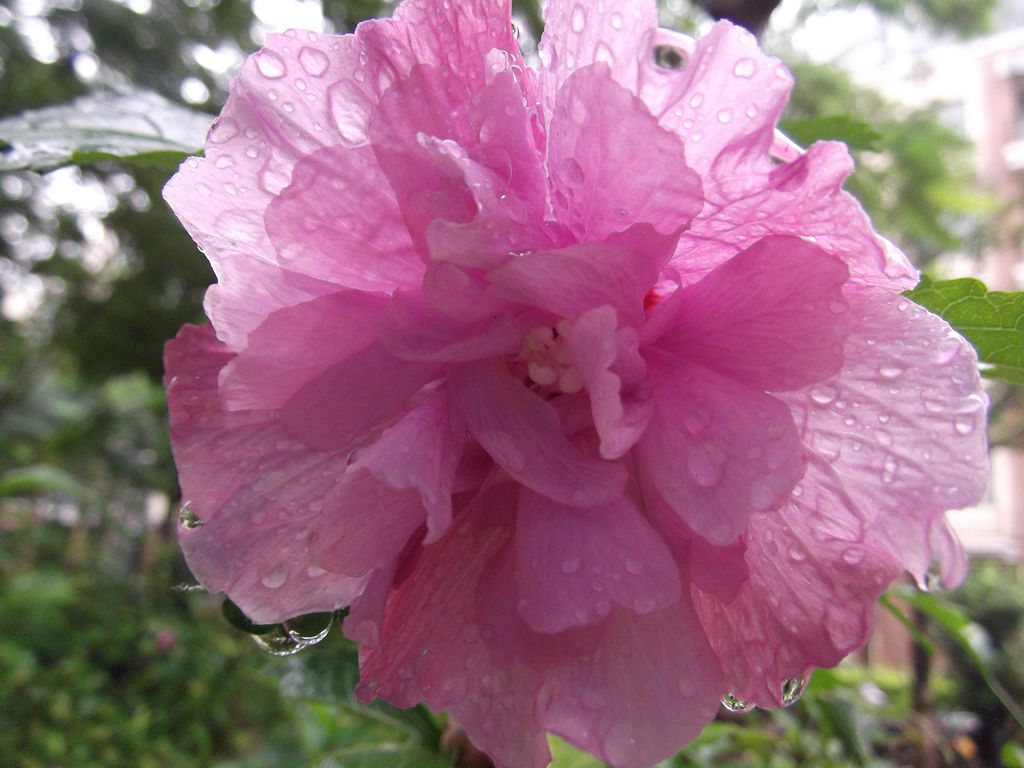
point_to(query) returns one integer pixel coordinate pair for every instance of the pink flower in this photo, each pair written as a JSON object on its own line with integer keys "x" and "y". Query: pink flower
{"x": 590, "y": 409}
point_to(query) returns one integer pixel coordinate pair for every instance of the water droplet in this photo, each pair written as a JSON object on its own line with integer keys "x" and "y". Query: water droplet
{"x": 695, "y": 420}
{"x": 736, "y": 704}
{"x": 763, "y": 495}
{"x": 276, "y": 577}
{"x": 280, "y": 642}
{"x": 752, "y": 111}
{"x": 224, "y": 161}
{"x": 313, "y": 61}
{"x": 889, "y": 469}
{"x": 725, "y": 116}
{"x": 696, "y": 100}
{"x": 824, "y": 395}
{"x": 616, "y": 20}
{"x": 572, "y": 172}
{"x": 579, "y": 19}
{"x": 792, "y": 689}
{"x": 853, "y": 555}
{"x": 745, "y": 68}
{"x": 252, "y": 153}
{"x": 188, "y": 519}
{"x": 619, "y": 746}
{"x": 964, "y": 424}
{"x": 270, "y": 65}
{"x": 310, "y": 629}
{"x": 667, "y": 57}
{"x": 634, "y": 567}
{"x": 889, "y": 371}
{"x": 570, "y": 565}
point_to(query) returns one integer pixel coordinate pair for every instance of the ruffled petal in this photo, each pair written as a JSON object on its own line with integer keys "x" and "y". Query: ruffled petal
{"x": 574, "y": 565}
{"x": 900, "y": 431}
{"x": 240, "y": 475}
{"x": 338, "y": 220}
{"x": 295, "y": 345}
{"x": 577, "y": 34}
{"x": 612, "y": 165}
{"x": 449, "y": 664}
{"x": 344, "y": 405}
{"x": 804, "y": 198}
{"x": 772, "y": 317}
{"x": 638, "y": 687}
{"x": 810, "y": 599}
{"x": 523, "y": 434}
{"x": 571, "y": 280}
{"x": 614, "y": 375}
{"x": 716, "y": 451}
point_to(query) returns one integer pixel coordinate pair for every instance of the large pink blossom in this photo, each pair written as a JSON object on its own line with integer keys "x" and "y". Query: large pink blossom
{"x": 592, "y": 397}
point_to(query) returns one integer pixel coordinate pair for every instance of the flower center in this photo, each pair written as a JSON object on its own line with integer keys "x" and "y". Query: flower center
{"x": 548, "y": 361}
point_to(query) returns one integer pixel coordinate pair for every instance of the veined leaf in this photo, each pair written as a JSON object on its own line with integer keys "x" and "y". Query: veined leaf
{"x": 136, "y": 125}
{"x": 993, "y": 321}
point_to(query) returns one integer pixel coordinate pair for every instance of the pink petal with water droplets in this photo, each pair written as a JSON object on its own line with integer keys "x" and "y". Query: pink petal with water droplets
{"x": 638, "y": 687}
{"x": 448, "y": 663}
{"x": 295, "y": 345}
{"x": 772, "y": 317}
{"x": 573, "y": 565}
{"x": 901, "y": 430}
{"x": 612, "y": 165}
{"x": 810, "y": 599}
{"x": 523, "y": 434}
{"x": 716, "y": 451}
{"x": 238, "y": 474}
{"x": 344, "y": 405}
{"x": 577, "y": 34}
{"x": 804, "y": 198}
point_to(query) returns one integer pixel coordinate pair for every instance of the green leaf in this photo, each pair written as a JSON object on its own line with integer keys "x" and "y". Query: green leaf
{"x": 134, "y": 124}
{"x": 386, "y": 755}
{"x": 1013, "y": 755}
{"x": 993, "y": 321}
{"x": 853, "y": 131}
{"x": 42, "y": 478}
{"x": 565, "y": 755}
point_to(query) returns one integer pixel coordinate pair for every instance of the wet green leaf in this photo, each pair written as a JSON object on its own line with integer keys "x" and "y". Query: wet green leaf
{"x": 993, "y": 321}
{"x": 135, "y": 125}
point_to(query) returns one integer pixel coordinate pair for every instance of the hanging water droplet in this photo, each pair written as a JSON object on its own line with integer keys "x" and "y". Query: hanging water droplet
{"x": 792, "y": 689}
{"x": 736, "y": 704}
{"x": 311, "y": 628}
{"x": 188, "y": 519}
{"x": 667, "y": 57}
{"x": 279, "y": 642}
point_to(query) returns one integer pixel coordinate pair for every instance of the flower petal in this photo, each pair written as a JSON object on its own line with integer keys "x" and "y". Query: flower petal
{"x": 573, "y": 565}
{"x": 613, "y": 373}
{"x": 347, "y": 402}
{"x": 238, "y": 473}
{"x": 612, "y": 165}
{"x": 804, "y": 198}
{"x": 644, "y": 686}
{"x": 338, "y": 220}
{"x": 810, "y": 598}
{"x": 716, "y": 451}
{"x": 523, "y": 434}
{"x": 901, "y": 430}
{"x": 772, "y": 317}
{"x": 296, "y": 344}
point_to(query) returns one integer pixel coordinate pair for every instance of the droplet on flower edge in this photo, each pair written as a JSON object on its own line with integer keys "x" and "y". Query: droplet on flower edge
{"x": 792, "y": 689}
{"x": 736, "y": 704}
{"x": 188, "y": 519}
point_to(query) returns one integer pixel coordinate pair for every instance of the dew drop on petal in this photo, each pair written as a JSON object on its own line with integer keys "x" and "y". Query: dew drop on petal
{"x": 616, "y": 20}
{"x": 579, "y": 19}
{"x": 667, "y": 57}
{"x": 964, "y": 424}
{"x": 725, "y": 116}
{"x": 853, "y": 555}
{"x": 188, "y": 519}
{"x": 889, "y": 371}
{"x": 270, "y": 65}
{"x": 313, "y": 61}
{"x": 276, "y": 577}
{"x": 745, "y": 68}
